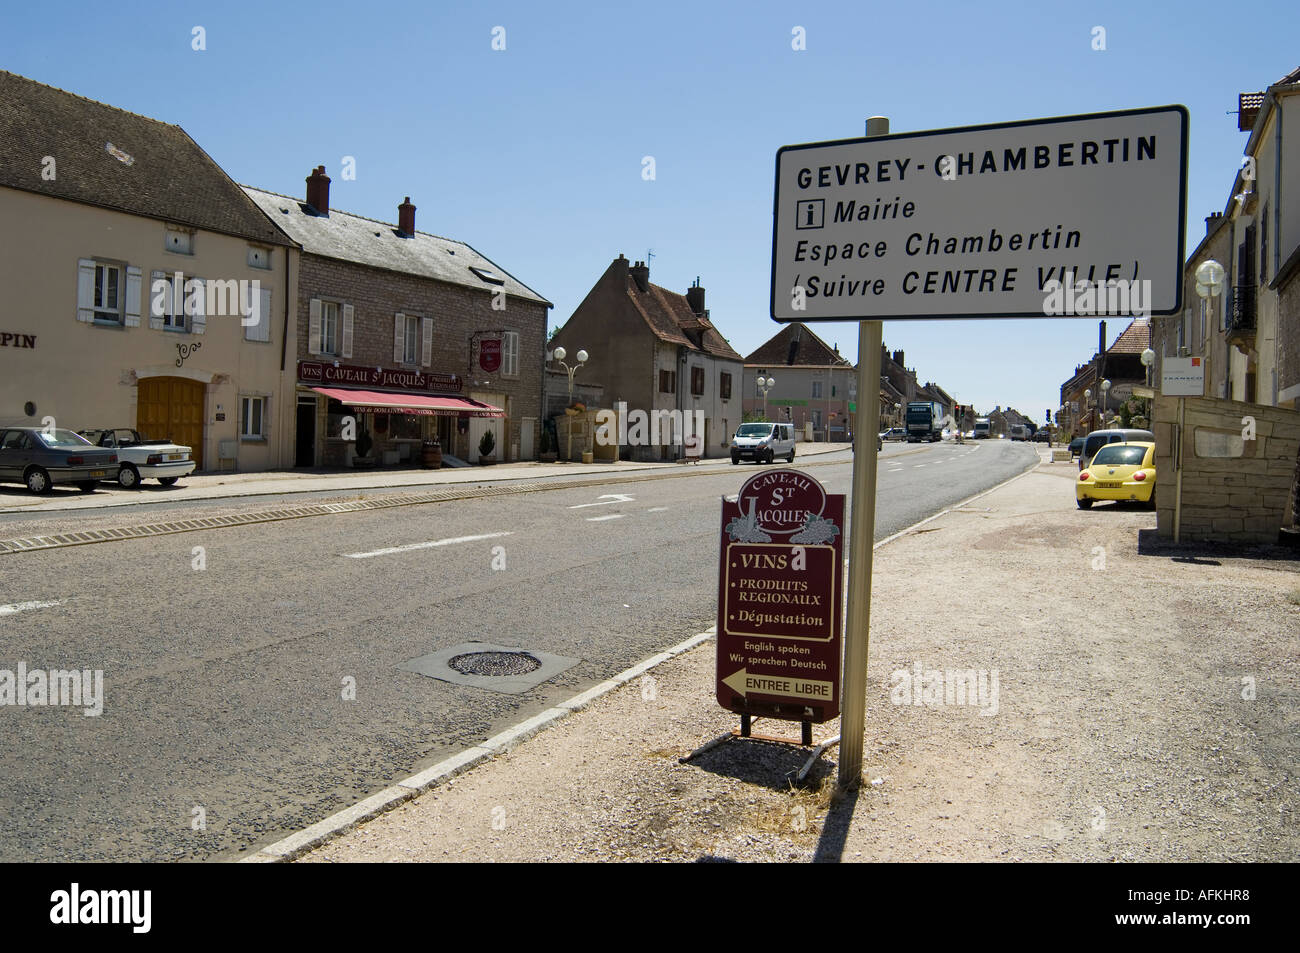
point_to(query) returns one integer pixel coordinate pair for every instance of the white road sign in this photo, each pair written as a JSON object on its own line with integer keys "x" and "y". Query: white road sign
{"x": 1077, "y": 216}
{"x": 1182, "y": 377}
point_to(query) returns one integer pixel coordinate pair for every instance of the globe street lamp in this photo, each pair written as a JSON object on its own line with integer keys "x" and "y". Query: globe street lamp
{"x": 560, "y": 354}
{"x": 765, "y": 384}
{"x": 1105, "y": 392}
{"x": 1087, "y": 406}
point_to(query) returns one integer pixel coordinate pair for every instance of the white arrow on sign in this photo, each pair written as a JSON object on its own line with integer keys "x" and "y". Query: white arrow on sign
{"x": 744, "y": 683}
{"x": 608, "y": 498}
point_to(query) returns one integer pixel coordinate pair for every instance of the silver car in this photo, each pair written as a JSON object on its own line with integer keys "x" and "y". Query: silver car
{"x": 41, "y": 458}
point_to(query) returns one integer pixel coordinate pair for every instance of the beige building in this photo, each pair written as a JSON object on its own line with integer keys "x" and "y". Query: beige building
{"x": 814, "y": 385}
{"x": 144, "y": 288}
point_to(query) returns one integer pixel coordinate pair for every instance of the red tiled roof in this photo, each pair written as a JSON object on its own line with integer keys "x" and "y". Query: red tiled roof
{"x": 670, "y": 317}
{"x": 795, "y": 345}
{"x": 1135, "y": 338}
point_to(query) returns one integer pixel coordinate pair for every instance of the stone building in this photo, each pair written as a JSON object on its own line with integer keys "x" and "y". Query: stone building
{"x": 408, "y": 335}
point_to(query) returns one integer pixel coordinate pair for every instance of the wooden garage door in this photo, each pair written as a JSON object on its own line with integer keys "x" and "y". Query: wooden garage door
{"x": 171, "y": 408}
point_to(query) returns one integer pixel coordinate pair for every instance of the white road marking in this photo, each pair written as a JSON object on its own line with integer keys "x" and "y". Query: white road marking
{"x": 601, "y": 519}
{"x": 13, "y": 607}
{"x": 430, "y": 545}
{"x": 608, "y": 499}
{"x": 917, "y": 466}
{"x": 657, "y": 509}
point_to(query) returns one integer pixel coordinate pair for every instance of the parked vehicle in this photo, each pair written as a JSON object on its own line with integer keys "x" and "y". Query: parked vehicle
{"x": 1119, "y": 471}
{"x": 894, "y": 433}
{"x": 143, "y": 459}
{"x": 1042, "y": 435}
{"x": 924, "y": 421}
{"x": 1018, "y": 432}
{"x": 1076, "y": 446}
{"x": 763, "y": 443}
{"x": 983, "y": 428}
{"x": 1099, "y": 438}
{"x": 41, "y": 458}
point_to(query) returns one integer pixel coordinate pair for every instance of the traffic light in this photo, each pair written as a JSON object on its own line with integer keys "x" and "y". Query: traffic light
{"x": 1049, "y": 416}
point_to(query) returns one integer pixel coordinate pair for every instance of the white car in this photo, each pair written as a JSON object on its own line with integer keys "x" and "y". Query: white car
{"x": 143, "y": 459}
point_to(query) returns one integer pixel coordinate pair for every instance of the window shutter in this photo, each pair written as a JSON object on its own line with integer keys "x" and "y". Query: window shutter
{"x": 261, "y": 309}
{"x": 347, "y": 330}
{"x": 313, "y": 327}
{"x": 156, "y": 319}
{"x": 199, "y": 319}
{"x": 399, "y": 338}
{"x": 86, "y": 290}
{"x": 512, "y": 354}
{"x": 426, "y": 341}
{"x": 133, "y": 276}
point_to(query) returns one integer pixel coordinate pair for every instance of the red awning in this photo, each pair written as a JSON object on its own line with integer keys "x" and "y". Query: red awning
{"x": 420, "y": 405}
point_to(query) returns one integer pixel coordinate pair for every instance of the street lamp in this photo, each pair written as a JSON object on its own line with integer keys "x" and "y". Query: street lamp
{"x": 1105, "y": 392}
{"x": 765, "y": 384}
{"x": 560, "y": 354}
{"x": 1087, "y": 406}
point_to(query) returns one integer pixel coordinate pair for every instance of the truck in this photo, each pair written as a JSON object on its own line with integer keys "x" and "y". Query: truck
{"x": 924, "y": 421}
{"x": 983, "y": 429}
{"x": 1018, "y": 432}
{"x": 141, "y": 459}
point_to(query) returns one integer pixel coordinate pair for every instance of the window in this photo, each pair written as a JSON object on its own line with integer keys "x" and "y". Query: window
{"x": 667, "y": 382}
{"x": 179, "y": 241}
{"x": 329, "y": 327}
{"x": 252, "y": 418}
{"x": 259, "y": 257}
{"x": 1263, "y": 244}
{"x": 410, "y": 351}
{"x": 724, "y": 389}
{"x": 697, "y": 381}
{"x": 510, "y": 359}
{"x": 108, "y": 298}
{"x": 816, "y": 390}
{"x": 335, "y": 413}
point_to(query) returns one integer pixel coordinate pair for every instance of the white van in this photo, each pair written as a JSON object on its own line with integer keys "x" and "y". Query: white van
{"x": 763, "y": 443}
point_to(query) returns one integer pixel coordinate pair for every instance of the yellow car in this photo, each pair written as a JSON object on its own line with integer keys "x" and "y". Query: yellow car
{"x": 1119, "y": 471}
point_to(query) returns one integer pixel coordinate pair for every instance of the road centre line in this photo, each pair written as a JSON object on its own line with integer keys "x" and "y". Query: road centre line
{"x": 15, "y": 607}
{"x": 430, "y": 545}
{"x": 601, "y": 519}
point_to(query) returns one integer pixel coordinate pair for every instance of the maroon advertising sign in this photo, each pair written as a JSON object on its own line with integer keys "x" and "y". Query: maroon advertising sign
{"x": 780, "y": 599}
{"x": 489, "y": 354}
{"x": 312, "y": 372}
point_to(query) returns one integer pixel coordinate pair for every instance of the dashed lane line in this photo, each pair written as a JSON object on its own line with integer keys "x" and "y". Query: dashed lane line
{"x": 434, "y": 544}
{"x": 15, "y": 607}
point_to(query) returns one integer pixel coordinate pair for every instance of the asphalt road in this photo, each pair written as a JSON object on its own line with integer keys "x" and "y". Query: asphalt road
{"x": 224, "y": 725}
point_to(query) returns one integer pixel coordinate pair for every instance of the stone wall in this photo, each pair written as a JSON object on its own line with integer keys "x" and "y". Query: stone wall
{"x": 1235, "y": 488}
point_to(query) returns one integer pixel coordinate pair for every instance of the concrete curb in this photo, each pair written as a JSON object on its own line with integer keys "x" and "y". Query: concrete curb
{"x": 309, "y": 838}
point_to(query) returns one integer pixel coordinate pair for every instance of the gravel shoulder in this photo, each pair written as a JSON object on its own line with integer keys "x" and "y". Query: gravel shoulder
{"x": 1145, "y": 710}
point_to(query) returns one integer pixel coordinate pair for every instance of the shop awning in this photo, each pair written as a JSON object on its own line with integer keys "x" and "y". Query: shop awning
{"x": 420, "y": 405}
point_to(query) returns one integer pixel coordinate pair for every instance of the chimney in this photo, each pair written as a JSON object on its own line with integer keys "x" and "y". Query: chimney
{"x": 1248, "y": 107}
{"x": 898, "y": 358}
{"x": 318, "y": 190}
{"x": 695, "y": 297}
{"x": 1212, "y": 222}
{"x": 641, "y": 274}
{"x": 406, "y": 218}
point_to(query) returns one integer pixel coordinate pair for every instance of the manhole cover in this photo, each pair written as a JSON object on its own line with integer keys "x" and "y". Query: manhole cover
{"x": 495, "y": 663}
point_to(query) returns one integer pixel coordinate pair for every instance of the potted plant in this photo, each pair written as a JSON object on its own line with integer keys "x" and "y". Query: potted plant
{"x": 486, "y": 445}
{"x": 363, "y": 445}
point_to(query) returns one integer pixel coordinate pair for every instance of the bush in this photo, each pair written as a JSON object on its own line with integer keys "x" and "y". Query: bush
{"x": 487, "y": 444}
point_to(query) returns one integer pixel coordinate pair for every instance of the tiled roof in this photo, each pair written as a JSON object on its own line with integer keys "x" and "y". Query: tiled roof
{"x": 669, "y": 315}
{"x": 115, "y": 159}
{"x": 1135, "y": 338}
{"x": 795, "y": 345}
{"x": 366, "y": 241}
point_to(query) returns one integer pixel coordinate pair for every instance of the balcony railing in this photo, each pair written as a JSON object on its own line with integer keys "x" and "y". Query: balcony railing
{"x": 1241, "y": 311}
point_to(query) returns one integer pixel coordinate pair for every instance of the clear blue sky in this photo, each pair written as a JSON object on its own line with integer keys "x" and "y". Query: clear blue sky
{"x": 534, "y": 154}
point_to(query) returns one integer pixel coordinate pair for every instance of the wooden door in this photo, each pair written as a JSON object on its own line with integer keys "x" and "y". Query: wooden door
{"x": 171, "y": 408}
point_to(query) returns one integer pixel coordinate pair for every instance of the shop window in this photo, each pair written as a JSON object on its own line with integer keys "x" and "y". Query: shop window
{"x": 334, "y": 414}
{"x": 405, "y": 426}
